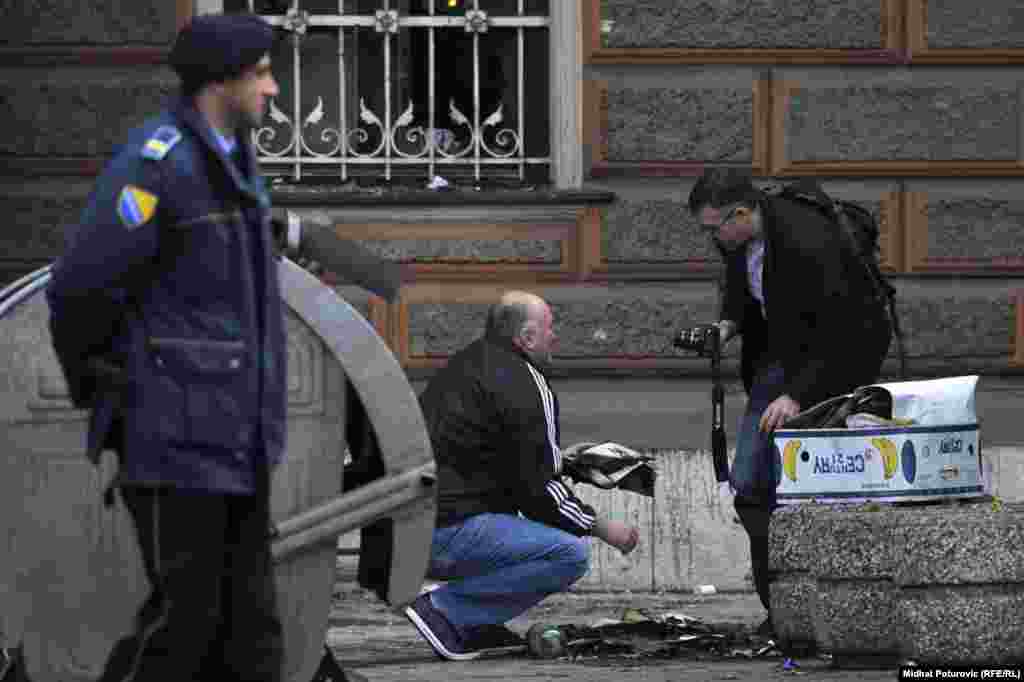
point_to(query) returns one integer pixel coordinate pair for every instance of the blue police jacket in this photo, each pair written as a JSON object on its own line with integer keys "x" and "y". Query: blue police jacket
{"x": 171, "y": 276}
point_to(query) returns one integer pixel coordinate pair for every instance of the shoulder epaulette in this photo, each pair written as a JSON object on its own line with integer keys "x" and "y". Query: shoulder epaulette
{"x": 160, "y": 143}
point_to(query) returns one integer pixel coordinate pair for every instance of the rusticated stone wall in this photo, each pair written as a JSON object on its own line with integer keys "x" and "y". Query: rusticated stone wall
{"x": 915, "y": 109}
{"x": 88, "y": 22}
{"x": 740, "y": 23}
{"x": 911, "y": 107}
{"x": 76, "y": 111}
{"x": 681, "y": 116}
{"x": 75, "y": 76}
{"x": 981, "y": 25}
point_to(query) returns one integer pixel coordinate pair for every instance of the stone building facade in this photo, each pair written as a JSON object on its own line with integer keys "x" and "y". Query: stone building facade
{"x": 914, "y": 107}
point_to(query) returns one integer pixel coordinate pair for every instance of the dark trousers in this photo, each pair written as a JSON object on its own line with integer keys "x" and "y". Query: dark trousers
{"x": 754, "y": 475}
{"x": 755, "y": 518}
{"x": 212, "y": 610}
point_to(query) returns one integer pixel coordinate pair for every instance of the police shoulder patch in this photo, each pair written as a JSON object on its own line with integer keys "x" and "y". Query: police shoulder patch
{"x": 160, "y": 143}
{"x": 135, "y": 206}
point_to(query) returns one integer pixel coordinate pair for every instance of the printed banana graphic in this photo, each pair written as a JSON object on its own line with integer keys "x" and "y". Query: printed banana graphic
{"x": 887, "y": 449}
{"x": 789, "y": 459}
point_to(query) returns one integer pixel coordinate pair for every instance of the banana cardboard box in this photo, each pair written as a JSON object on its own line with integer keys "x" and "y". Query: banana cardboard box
{"x": 939, "y": 456}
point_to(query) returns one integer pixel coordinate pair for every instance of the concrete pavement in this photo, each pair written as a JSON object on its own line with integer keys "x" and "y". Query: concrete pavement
{"x": 368, "y": 638}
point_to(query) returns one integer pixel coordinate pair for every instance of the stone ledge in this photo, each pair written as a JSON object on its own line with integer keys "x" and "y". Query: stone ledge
{"x": 975, "y": 545}
{"x": 847, "y": 620}
{"x": 981, "y": 625}
{"x": 925, "y": 614}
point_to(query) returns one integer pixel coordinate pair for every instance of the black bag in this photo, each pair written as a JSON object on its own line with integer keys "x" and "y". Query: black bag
{"x": 861, "y": 231}
{"x": 832, "y": 413}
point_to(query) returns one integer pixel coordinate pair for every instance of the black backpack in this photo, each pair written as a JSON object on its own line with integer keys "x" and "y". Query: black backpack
{"x": 860, "y": 229}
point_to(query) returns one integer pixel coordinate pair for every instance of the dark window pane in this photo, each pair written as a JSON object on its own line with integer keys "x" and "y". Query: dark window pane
{"x": 500, "y": 8}
{"x": 343, "y": 112}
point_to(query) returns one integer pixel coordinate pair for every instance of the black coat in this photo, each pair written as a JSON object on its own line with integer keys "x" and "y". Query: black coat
{"x": 493, "y": 423}
{"x": 173, "y": 274}
{"x": 823, "y": 321}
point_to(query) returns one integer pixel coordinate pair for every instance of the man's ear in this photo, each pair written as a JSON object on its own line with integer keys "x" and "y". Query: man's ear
{"x": 528, "y": 337}
{"x": 743, "y": 214}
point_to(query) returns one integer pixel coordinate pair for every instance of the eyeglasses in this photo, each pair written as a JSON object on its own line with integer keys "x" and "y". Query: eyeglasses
{"x": 713, "y": 228}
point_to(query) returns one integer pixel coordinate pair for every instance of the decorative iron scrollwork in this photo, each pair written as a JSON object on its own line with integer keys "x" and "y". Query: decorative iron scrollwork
{"x": 386, "y": 21}
{"x": 296, "y": 21}
{"x": 476, "y": 21}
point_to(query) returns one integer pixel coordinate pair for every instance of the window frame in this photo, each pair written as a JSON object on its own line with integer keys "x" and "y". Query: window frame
{"x": 565, "y": 80}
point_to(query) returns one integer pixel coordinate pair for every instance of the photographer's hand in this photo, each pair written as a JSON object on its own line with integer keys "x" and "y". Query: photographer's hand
{"x": 780, "y": 409}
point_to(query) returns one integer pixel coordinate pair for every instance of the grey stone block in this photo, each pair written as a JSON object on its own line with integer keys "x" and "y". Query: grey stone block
{"x": 792, "y": 546}
{"x": 978, "y": 228}
{"x": 100, "y": 22}
{"x": 857, "y": 617}
{"x": 744, "y": 24}
{"x": 959, "y": 545}
{"x": 852, "y": 543}
{"x": 958, "y": 24}
{"x": 638, "y": 321}
{"x": 76, "y": 112}
{"x": 444, "y": 328}
{"x": 982, "y": 625}
{"x": 794, "y": 601}
{"x": 903, "y": 121}
{"x": 36, "y": 226}
{"x": 689, "y": 124}
{"x": 943, "y": 322}
{"x": 467, "y": 250}
{"x": 654, "y": 231}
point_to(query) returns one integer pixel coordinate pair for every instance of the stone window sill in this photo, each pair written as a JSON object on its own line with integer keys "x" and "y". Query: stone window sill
{"x": 398, "y": 195}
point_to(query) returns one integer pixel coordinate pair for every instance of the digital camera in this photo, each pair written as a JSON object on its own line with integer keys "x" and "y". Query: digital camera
{"x": 704, "y": 339}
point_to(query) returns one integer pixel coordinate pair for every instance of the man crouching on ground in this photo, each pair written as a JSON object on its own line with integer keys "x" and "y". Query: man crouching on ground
{"x": 509, "y": 531}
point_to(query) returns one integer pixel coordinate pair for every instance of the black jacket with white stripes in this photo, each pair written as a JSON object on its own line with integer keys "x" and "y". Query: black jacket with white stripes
{"x": 493, "y": 423}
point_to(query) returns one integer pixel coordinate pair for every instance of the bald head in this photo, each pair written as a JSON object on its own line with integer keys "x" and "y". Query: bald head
{"x": 532, "y": 303}
{"x": 524, "y": 319}
{"x": 508, "y": 317}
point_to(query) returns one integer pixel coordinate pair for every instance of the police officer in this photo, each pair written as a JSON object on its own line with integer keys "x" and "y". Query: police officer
{"x": 167, "y": 319}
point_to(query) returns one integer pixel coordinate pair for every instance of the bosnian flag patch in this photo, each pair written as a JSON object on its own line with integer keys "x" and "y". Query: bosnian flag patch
{"x": 135, "y": 206}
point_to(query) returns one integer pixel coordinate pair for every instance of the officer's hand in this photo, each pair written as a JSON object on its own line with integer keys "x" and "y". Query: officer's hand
{"x": 619, "y": 535}
{"x": 781, "y": 409}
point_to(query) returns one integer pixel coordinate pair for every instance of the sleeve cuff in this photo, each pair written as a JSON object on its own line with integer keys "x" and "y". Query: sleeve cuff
{"x": 294, "y": 231}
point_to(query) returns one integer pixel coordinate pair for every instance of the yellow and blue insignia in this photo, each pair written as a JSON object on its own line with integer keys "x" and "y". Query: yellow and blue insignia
{"x": 161, "y": 142}
{"x": 135, "y": 206}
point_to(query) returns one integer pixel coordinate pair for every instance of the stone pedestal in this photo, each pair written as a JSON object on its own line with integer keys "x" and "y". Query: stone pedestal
{"x": 854, "y": 566}
{"x": 941, "y": 584}
{"x": 961, "y": 573}
{"x": 793, "y": 592}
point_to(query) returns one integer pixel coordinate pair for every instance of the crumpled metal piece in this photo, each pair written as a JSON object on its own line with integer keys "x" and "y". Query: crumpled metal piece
{"x": 608, "y": 466}
{"x": 640, "y": 634}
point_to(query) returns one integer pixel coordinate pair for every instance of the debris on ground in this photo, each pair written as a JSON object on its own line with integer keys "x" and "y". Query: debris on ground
{"x": 638, "y": 634}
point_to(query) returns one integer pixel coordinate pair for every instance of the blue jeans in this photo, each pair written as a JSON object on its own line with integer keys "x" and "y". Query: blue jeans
{"x": 753, "y": 472}
{"x": 499, "y": 565}
{"x": 754, "y": 475}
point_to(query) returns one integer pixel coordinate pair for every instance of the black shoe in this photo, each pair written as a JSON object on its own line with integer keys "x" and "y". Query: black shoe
{"x": 439, "y": 633}
{"x": 493, "y": 638}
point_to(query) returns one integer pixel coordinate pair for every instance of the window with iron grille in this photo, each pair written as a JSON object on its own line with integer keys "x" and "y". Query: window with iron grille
{"x": 407, "y": 90}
